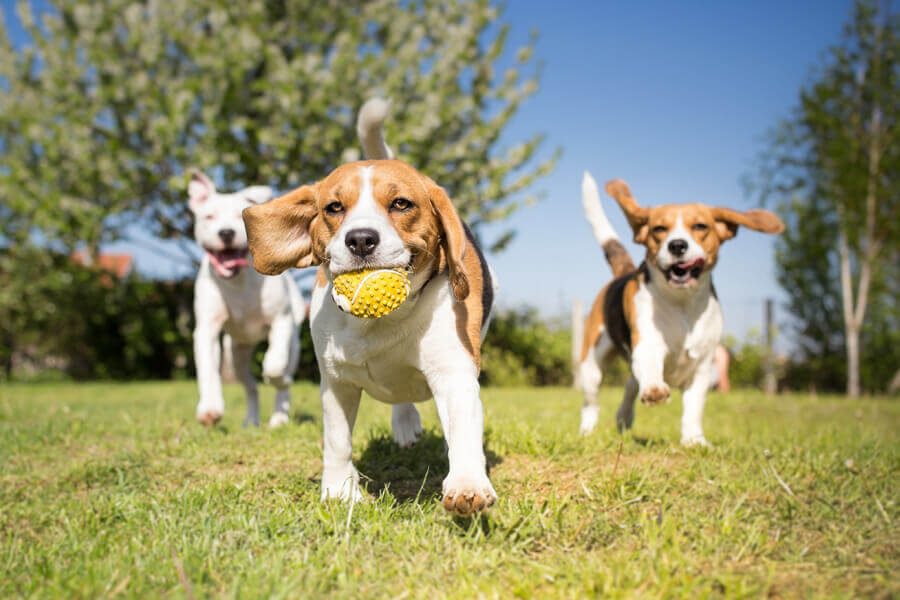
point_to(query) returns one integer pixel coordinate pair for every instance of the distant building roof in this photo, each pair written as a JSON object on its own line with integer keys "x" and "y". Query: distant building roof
{"x": 118, "y": 264}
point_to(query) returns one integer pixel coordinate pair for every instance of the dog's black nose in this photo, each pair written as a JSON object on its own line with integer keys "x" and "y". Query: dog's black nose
{"x": 678, "y": 247}
{"x": 362, "y": 242}
{"x": 226, "y": 235}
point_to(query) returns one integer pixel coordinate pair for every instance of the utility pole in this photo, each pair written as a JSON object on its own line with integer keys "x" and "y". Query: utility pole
{"x": 770, "y": 384}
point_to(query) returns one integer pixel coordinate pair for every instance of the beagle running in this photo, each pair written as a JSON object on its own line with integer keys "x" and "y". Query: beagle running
{"x": 663, "y": 316}
{"x": 385, "y": 214}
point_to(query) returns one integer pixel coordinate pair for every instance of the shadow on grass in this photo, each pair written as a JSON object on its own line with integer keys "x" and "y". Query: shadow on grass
{"x": 300, "y": 417}
{"x": 410, "y": 474}
{"x": 649, "y": 442}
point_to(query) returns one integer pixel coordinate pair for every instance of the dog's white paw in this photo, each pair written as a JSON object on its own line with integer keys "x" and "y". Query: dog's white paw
{"x": 589, "y": 416}
{"x": 278, "y": 419}
{"x": 466, "y": 495}
{"x": 208, "y": 418}
{"x": 342, "y": 488}
{"x": 655, "y": 394}
{"x": 278, "y": 379}
{"x": 697, "y": 441}
{"x": 406, "y": 425}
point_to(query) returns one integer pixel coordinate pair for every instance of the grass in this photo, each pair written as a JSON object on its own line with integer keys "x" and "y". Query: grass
{"x": 111, "y": 490}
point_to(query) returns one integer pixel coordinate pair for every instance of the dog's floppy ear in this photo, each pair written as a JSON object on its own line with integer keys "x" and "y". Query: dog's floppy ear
{"x": 728, "y": 221}
{"x": 453, "y": 238}
{"x": 637, "y": 216}
{"x": 200, "y": 189}
{"x": 279, "y": 231}
{"x": 257, "y": 194}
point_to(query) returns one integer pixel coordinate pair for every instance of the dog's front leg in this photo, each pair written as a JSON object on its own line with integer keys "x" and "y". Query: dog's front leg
{"x": 340, "y": 402}
{"x": 647, "y": 364}
{"x": 694, "y": 398}
{"x": 467, "y": 489}
{"x": 207, "y": 355}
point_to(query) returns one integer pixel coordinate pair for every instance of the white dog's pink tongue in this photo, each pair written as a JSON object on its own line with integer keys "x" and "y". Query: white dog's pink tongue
{"x": 233, "y": 263}
{"x": 226, "y": 262}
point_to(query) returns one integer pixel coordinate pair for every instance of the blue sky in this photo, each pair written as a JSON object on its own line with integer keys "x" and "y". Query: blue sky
{"x": 673, "y": 97}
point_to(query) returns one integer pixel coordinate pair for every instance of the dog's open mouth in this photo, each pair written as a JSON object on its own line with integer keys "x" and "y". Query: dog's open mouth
{"x": 230, "y": 261}
{"x": 685, "y": 274}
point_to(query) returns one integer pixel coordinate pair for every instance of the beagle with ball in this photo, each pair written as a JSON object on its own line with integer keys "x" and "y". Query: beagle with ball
{"x": 384, "y": 214}
{"x": 663, "y": 316}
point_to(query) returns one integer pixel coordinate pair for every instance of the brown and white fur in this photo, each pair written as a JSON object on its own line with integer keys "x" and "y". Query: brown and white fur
{"x": 385, "y": 214}
{"x": 662, "y": 316}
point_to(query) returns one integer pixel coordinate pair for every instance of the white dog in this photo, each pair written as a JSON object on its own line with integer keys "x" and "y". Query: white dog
{"x": 385, "y": 214}
{"x": 246, "y": 306}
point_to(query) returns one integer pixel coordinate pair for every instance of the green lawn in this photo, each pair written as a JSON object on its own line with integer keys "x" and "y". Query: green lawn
{"x": 112, "y": 490}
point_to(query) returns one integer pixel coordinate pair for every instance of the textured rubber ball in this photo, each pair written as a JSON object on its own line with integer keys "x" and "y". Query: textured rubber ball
{"x": 370, "y": 293}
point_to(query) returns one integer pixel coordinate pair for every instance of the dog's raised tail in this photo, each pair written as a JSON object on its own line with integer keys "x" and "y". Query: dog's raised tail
{"x": 616, "y": 255}
{"x": 369, "y": 127}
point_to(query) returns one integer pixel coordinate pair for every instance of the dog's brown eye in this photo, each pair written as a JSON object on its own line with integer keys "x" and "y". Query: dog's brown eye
{"x": 660, "y": 229}
{"x": 700, "y": 227}
{"x": 334, "y": 208}
{"x": 401, "y": 204}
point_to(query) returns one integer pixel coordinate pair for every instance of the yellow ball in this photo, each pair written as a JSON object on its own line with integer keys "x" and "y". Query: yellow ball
{"x": 370, "y": 293}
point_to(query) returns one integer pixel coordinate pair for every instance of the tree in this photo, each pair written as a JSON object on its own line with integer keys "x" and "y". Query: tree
{"x": 833, "y": 167}
{"x": 103, "y": 113}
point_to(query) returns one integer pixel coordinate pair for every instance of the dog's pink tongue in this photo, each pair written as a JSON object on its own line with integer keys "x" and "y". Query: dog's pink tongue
{"x": 697, "y": 262}
{"x": 226, "y": 266}
{"x": 233, "y": 263}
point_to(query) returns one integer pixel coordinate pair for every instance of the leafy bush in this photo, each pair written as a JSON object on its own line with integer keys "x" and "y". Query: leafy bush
{"x": 521, "y": 349}
{"x": 748, "y": 360}
{"x": 58, "y": 314}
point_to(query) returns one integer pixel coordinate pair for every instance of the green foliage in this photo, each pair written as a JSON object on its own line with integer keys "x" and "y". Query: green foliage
{"x": 102, "y": 114}
{"x": 832, "y": 171}
{"x": 112, "y": 102}
{"x": 90, "y": 324}
{"x": 522, "y": 349}
{"x": 112, "y": 491}
{"x": 747, "y": 366}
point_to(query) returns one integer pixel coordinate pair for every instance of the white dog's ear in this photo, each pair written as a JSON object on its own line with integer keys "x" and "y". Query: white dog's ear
{"x": 200, "y": 189}
{"x": 257, "y": 194}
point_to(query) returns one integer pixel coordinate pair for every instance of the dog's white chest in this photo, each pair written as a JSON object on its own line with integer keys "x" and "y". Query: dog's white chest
{"x": 689, "y": 332}
{"x": 387, "y": 381}
{"x": 380, "y": 357}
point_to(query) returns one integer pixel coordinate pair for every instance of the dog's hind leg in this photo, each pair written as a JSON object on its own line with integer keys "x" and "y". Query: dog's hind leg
{"x": 625, "y": 414}
{"x": 589, "y": 376}
{"x": 241, "y": 355}
{"x": 279, "y": 365}
{"x": 282, "y": 413}
{"x": 406, "y": 424}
